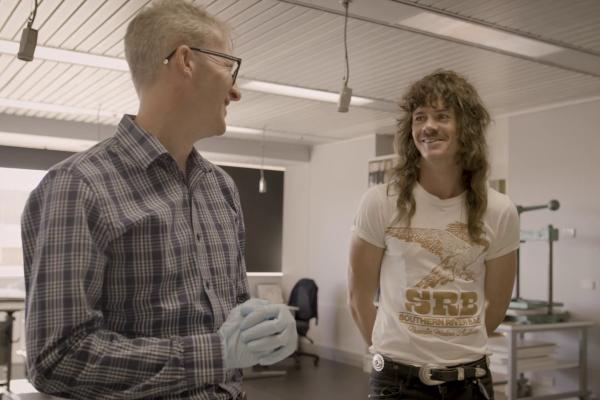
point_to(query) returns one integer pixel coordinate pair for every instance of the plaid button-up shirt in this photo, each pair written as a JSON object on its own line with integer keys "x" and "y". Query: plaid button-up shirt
{"x": 131, "y": 268}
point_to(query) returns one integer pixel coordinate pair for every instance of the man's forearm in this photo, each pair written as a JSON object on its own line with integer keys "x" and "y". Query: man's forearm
{"x": 494, "y": 315}
{"x": 363, "y": 313}
{"x": 103, "y": 364}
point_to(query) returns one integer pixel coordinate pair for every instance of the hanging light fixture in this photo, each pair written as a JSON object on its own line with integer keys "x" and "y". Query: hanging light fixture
{"x": 346, "y": 92}
{"x": 28, "y": 37}
{"x": 262, "y": 182}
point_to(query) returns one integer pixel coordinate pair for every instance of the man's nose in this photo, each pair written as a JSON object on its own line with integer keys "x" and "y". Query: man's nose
{"x": 430, "y": 124}
{"x": 234, "y": 93}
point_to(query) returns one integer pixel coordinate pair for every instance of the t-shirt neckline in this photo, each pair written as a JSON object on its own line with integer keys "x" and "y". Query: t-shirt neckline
{"x": 433, "y": 199}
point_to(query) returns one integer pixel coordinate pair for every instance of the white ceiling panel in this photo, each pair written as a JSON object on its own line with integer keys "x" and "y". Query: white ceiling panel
{"x": 75, "y": 15}
{"x": 13, "y": 14}
{"x": 300, "y": 43}
{"x": 574, "y": 22}
{"x": 105, "y": 35}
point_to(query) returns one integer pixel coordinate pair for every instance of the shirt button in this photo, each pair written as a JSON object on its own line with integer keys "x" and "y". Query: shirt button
{"x": 197, "y": 236}
{"x": 207, "y": 285}
{"x": 242, "y": 298}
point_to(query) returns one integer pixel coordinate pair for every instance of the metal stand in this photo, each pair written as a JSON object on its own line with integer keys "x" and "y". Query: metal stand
{"x": 9, "y": 307}
{"x": 549, "y": 234}
{"x": 8, "y": 331}
{"x": 512, "y": 330}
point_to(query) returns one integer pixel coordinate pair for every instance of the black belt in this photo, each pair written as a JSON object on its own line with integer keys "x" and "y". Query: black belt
{"x": 432, "y": 374}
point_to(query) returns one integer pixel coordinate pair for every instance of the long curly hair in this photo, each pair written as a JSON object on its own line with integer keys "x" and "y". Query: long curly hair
{"x": 453, "y": 91}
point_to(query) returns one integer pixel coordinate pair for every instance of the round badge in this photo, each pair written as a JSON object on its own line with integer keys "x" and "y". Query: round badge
{"x": 378, "y": 362}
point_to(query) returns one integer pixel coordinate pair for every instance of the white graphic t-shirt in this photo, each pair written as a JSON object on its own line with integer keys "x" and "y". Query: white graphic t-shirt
{"x": 431, "y": 303}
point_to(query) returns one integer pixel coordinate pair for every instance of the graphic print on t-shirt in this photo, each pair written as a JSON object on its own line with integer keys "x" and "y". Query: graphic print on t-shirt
{"x": 430, "y": 309}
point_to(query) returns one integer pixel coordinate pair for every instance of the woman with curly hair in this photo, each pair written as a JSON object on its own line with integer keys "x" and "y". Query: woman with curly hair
{"x": 437, "y": 248}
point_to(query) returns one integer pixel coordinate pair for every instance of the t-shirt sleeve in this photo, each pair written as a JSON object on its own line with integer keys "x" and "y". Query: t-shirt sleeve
{"x": 370, "y": 219}
{"x": 507, "y": 237}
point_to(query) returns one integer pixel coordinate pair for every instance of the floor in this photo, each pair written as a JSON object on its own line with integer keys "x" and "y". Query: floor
{"x": 327, "y": 381}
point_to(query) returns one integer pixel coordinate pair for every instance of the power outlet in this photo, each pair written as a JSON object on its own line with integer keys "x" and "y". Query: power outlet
{"x": 568, "y": 233}
{"x": 587, "y": 284}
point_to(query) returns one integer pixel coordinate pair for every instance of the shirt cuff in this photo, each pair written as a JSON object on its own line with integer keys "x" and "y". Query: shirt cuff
{"x": 203, "y": 359}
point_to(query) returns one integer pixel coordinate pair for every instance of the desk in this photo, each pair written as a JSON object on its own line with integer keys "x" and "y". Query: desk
{"x": 10, "y": 306}
{"x": 512, "y": 330}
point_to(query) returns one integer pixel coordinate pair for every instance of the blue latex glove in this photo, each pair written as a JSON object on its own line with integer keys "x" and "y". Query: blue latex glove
{"x": 269, "y": 331}
{"x": 237, "y": 354}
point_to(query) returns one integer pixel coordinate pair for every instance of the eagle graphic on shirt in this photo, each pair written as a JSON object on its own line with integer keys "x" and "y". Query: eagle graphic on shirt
{"x": 453, "y": 246}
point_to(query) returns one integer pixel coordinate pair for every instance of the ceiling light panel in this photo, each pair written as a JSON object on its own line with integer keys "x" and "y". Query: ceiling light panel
{"x": 303, "y": 93}
{"x": 68, "y": 56}
{"x": 478, "y": 34}
{"x": 44, "y": 142}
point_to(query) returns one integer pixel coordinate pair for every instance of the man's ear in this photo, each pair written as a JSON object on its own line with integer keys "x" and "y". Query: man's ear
{"x": 184, "y": 60}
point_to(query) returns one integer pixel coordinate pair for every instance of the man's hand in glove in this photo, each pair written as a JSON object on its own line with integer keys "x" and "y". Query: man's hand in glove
{"x": 269, "y": 331}
{"x": 236, "y": 352}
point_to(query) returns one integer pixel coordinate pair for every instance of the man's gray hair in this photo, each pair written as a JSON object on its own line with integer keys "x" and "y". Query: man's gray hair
{"x": 160, "y": 28}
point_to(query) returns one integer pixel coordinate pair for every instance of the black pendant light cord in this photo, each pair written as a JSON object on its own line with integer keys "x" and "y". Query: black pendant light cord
{"x": 33, "y": 14}
{"x": 346, "y": 4}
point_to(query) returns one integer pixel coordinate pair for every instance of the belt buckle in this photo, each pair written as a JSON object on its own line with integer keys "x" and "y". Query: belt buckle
{"x": 425, "y": 374}
{"x": 378, "y": 362}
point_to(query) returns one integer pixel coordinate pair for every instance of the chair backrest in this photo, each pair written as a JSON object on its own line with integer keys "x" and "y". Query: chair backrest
{"x": 304, "y": 296}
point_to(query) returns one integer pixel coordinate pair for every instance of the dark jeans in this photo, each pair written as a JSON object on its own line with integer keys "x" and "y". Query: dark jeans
{"x": 391, "y": 383}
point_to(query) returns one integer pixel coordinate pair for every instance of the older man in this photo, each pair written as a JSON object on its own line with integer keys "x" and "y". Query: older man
{"x": 134, "y": 249}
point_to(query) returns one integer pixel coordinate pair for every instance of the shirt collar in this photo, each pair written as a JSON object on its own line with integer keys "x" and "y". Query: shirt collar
{"x": 139, "y": 144}
{"x": 197, "y": 161}
{"x": 144, "y": 148}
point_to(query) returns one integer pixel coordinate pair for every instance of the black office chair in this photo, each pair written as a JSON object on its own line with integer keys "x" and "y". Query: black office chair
{"x": 304, "y": 297}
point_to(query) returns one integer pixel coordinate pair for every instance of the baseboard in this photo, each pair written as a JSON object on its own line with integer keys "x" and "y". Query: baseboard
{"x": 341, "y": 356}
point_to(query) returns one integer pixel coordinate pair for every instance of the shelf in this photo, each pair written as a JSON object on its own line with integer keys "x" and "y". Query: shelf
{"x": 508, "y": 327}
{"x": 503, "y": 369}
{"x": 515, "y": 333}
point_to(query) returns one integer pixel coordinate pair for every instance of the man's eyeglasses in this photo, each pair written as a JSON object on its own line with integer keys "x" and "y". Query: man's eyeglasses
{"x": 237, "y": 62}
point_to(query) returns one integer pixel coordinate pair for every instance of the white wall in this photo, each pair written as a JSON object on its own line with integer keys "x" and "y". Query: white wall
{"x": 320, "y": 202}
{"x": 554, "y": 154}
{"x": 497, "y": 138}
{"x": 296, "y": 221}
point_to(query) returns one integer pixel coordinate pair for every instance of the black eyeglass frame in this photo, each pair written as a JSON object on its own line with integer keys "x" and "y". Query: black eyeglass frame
{"x": 237, "y": 60}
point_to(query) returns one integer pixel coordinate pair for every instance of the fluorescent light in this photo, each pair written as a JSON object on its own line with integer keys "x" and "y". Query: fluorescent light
{"x": 478, "y": 34}
{"x": 8, "y": 47}
{"x": 44, "y": 142}
{"x": 119, "y": 64}
{"x": 240, "y": 129}
{"x": 55, "y": 108}
{"x": 248, "y": 165}
{"x": 295, "y": 91}
{"x": 265, "y": 274}
{"x": 68, "y": 56}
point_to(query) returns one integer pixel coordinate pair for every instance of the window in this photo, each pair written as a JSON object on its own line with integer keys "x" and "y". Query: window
{"x": 15, "y": 186}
